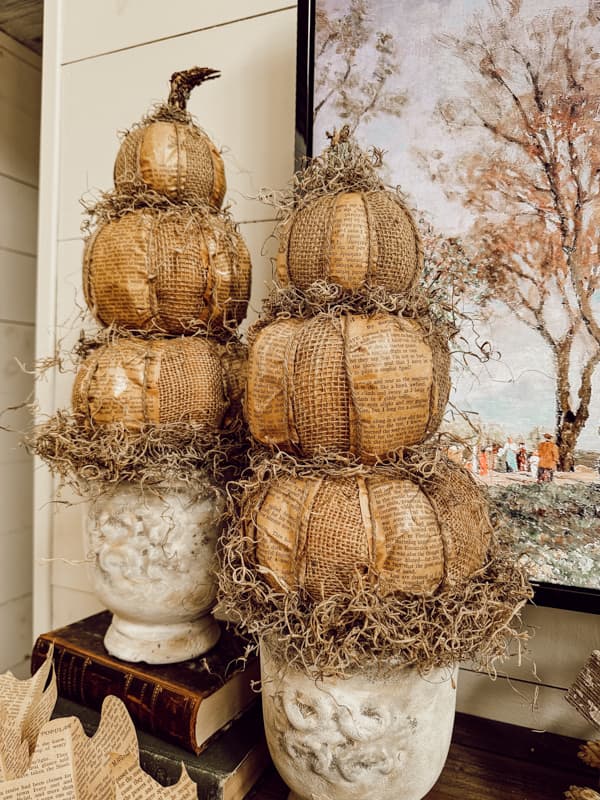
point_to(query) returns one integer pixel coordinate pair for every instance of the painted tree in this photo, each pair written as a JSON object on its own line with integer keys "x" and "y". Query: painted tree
{"x": 354, "y": 93}
{"x": 530, "y": 175}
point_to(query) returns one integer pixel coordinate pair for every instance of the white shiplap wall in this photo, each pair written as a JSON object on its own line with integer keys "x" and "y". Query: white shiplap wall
{"x": 20, "y": 84}
{"x": 104, "y": 65}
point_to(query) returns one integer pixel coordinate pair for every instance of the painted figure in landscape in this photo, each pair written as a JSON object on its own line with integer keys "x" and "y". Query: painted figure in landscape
{"x": 548, "y": 459}
{"x": 488, "y": 111}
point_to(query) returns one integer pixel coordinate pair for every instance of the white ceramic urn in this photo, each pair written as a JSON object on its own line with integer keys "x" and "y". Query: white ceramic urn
{"x": 385, "y": 738}
{"x": 152, "y": 556}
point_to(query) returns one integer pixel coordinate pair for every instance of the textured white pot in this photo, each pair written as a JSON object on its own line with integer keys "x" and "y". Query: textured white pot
{"x": 152, "y": 563}
{"x": 347, "y": 739}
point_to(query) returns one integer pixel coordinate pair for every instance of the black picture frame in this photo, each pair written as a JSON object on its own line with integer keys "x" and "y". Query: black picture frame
{"x": 568, "y": 598}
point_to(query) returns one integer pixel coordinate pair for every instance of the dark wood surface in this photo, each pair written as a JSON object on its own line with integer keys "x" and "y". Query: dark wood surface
{"x": 490, "y": 761}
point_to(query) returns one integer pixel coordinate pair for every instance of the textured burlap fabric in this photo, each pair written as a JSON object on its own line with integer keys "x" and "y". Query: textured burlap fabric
{"x": 174, "y": 159}
{"x": 346, "y": 384}
{"x": 135, "y": 382}
{"x": 351, "y": 238}
{"x": 413, "y": 537}
{"x": 168, "y": 272}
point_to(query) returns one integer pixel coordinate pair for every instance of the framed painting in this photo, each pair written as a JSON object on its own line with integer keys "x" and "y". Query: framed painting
{"x": 488, "y": 114}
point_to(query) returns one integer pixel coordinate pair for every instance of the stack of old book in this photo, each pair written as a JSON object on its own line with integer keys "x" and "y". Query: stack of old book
{"x": 154, "y": 432}
{"x": 202, "y": 712}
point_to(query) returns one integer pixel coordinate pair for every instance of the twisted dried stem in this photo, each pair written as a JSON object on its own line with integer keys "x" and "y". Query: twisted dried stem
{"x": 183, "y": 82}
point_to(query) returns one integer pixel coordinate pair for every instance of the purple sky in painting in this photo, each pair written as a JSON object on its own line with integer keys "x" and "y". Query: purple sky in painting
{"x": 516, "y": 392}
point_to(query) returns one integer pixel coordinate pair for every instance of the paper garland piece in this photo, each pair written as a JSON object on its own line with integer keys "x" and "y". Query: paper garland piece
{"x": 25, "y": 706}
{"x": 132, "y": 783}
{"x": 65, "y": 763}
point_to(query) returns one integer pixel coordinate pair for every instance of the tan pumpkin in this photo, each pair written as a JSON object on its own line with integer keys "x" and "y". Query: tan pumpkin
{"x": 136, "y": 382}
{"x": 171, "y": 155}
{"x": 168, "y": 272}
{"x": 351, "y": 238}
{"x": 347, "y": 384}
{"x": 316, "y": 533}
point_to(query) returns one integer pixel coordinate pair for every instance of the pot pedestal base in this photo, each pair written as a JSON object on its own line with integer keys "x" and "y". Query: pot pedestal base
{"x": 161, "y": 643}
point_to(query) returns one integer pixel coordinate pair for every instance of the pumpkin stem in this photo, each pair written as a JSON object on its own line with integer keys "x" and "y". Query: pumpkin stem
{"x": 183, "y": 82}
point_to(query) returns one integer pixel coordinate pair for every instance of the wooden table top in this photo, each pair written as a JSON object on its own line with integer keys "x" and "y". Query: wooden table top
{"x": 490, "y": 761}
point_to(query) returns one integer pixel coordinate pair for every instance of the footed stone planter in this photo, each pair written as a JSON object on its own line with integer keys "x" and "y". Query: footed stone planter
{"x": 152, "y": 563}
{"x": 362, "y": 736}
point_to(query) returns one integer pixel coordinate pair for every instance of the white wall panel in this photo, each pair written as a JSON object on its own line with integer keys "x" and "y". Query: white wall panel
{"x": 68, "y": 553}
{"x": 17, "y": 498}
{"x": 540, "y": 708}
{"x": 16, "y": 349}
{"x": 71, "y": 317}
{"x": 531, "y": 692}
{"x": 540, "y": 660}
{"x": 70, "y": 605}
{"x": 16, "y": 386}
{"x": 12, "y": 446}
{"x": 91, "y": 27}
{"x": 20, "y": 81}
{"x": 19, "y": 155}
{"x": 18, "y": 220}
{"x": 19, "y": 113}
{"x": 15, "y": 555}
{"x": 249, "y": 110}
{"x": 17, "y": 279}
{"x": 20, "y": 70}
{"x": 15, "y": 625}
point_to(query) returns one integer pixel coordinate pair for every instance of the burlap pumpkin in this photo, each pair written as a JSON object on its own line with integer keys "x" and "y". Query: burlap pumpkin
{"x": 316, "y": 532}
{"x": 174, "y": 159}
{"x": 351, "y": 238}
{"x": 352, "y": 383}
{"x": 171, "y": 155}
{"x": 170, "y": 272}
{"x": 135, "y": 382}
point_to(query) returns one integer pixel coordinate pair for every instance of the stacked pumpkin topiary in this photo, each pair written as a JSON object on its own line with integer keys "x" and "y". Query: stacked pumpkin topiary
{"x": 156, "y": 404}
{"x": 363, "y": 560}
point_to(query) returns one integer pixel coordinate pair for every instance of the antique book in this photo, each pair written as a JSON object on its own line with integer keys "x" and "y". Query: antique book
{"x": 186, "y": 703}
{"x": 225, "y": 770}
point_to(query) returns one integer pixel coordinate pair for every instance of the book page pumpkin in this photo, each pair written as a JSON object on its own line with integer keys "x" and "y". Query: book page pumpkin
{"x": 346, "y": 384}
{"x": 136, "y": 382}
{"x": 316, "y": 532}
{"x": 169, "y": 272}
{"x": 169, "y": 154}
{"x": 352, "y": 239}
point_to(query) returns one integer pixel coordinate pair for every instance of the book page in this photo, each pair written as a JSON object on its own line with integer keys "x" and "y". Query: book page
{"x": 50, "y": 774}
{"x": 25, "y": 706}
{"x": 409, "y": 552}
{"x": 281, "y": 529}
{"x": 40, "y": 712}
{"x": 93, "y": 756}
{"x": 18, "y": 697}
{"x": 390, "y": 370}
{"x": 68, "y": 765}
{"x": 270, "y": 365}
{"x": 14, "y": 751}
{"x": 132, "y": 783}
{"x": 350, "y": 241}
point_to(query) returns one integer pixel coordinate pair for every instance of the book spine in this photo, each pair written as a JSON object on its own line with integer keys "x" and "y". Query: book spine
{"x": 154, "y": 708}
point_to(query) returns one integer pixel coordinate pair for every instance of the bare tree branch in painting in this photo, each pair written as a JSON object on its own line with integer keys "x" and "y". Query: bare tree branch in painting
{"x": 533, "y": 182}
{"x": 356, "y": 95}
